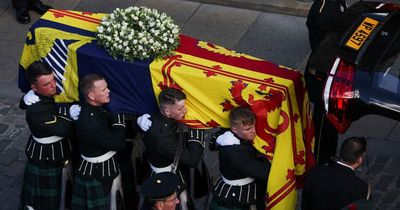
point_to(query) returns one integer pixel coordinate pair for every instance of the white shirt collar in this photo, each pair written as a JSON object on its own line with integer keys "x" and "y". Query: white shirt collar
{"x": 344, "y": 164}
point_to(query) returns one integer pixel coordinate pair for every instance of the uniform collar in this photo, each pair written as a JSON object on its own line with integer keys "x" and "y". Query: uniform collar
{"x": 166, "y": 119}
{"x": 90, "y": 106}
{"x": 240, "y": 139}
{"x": 45, "y": 98}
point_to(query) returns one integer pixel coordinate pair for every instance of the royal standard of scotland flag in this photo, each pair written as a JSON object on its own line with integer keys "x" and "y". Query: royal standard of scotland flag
{"x": 215, "y": 80}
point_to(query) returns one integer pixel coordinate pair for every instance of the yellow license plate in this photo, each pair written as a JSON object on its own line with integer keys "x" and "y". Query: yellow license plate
{"x": 359, "y": 36}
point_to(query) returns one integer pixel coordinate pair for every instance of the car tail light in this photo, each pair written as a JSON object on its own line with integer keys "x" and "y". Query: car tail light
{"x": 338, "y": 95}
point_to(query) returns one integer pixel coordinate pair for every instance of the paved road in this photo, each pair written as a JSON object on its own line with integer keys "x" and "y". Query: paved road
{"x": 275, "y": 37}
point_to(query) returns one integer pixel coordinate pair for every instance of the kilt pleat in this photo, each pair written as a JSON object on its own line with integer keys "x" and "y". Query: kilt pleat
{"x": 90, "y": 194}
{"x": 41, "y": 187}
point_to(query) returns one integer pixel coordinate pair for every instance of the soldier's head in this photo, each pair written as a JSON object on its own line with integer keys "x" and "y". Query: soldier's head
{"x": 160, "y": 191}
{"x": 352, "y": 151}
{"x": 243, "y": 121}
{"x": 94, "y": 88}
{"x": 41, "y": 78}
{"x": 172, "y": 103}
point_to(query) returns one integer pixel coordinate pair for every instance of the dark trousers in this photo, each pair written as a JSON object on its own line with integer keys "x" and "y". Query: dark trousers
{"x": 326, "y": 135}
{"x": 128, "y": 177}
{"x": 22, "y": 4}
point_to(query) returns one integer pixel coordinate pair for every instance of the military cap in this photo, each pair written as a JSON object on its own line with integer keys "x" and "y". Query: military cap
{"x": 160, "y": 186}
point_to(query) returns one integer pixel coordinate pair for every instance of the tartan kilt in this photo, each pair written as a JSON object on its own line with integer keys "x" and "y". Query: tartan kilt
{"x": 90, "y": 194}
{"x": 41, "y": 188}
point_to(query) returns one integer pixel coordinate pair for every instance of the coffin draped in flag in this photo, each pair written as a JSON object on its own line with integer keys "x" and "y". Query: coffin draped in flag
{"x": 215, "y": 80}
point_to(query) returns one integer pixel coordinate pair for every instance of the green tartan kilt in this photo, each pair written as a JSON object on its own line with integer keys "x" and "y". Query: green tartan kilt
{"x": 215, "y": 206}
{"x": 41, "y": 188}
{"x": 90, "y": 194}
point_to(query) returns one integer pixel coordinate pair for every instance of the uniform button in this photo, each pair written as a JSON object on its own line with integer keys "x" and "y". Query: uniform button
{"x": 165, "y": 125}
{"x": 233, "y": 194}
{"x": 47, "y": 158}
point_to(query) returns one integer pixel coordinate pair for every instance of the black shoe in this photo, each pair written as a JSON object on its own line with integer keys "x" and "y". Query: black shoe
{"x": 23, "y": 16}
{"x": 39, "y": 7}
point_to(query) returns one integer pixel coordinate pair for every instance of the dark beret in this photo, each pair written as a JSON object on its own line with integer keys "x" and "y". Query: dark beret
{"x": 160, "y": 186}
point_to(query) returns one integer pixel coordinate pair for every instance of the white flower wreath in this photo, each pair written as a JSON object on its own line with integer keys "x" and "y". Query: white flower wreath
{"x": 138, "y": 33}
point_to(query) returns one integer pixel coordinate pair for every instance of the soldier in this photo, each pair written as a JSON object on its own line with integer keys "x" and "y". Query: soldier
{"x": 160, "y": 191}
{"x": 321, "y": 19}
{"x": 100, "y": 135}
{"x": 49, "y": 148}
{"x": 162, "y": 145}
{"x": 244, "y": 173}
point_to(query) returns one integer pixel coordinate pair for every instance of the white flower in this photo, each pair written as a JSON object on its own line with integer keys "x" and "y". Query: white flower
{"x": 137, "y": 33}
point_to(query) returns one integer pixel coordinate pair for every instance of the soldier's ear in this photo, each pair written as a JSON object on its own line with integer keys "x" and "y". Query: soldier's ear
{"x": 91, "y": 96}
{"x": 33, "y": 87}
{"x": 159, "y": 205}
{"x": 166, "y": 111}
{"x": 234, "y": 129}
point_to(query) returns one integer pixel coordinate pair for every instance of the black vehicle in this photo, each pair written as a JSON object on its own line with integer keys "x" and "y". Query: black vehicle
{"x": 360, "y": 60}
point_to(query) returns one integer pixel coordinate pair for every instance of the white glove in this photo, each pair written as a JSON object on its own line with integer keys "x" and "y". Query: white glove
{"x": 74, "y": 111}
{"x": 30, "y": 98}
{"x": 144, "y": 122}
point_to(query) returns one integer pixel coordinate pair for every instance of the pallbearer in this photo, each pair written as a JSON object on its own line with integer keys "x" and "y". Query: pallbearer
{"x": 49, "y": 148}
{"x": 100, "y": 135}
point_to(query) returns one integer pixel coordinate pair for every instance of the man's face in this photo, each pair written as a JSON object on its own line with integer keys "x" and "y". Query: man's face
{"x": 45, "y": 85}
{"x": 176, "y": 111}
{"x": 246, "y": 132}
{"x": 168, "y": 204}
{"x": 100, "y": 94}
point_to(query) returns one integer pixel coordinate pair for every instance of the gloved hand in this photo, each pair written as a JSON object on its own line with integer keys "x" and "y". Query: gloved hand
{"x": 30, "y": 98}
{"x": 144, "y": 122}
{"x": 117, "y": 120}
{"x": 74, "y": 111}
{"x": 196, "y": 135}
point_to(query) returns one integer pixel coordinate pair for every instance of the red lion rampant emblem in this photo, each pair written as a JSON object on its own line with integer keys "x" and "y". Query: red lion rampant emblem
{"x": 271, "y": 100}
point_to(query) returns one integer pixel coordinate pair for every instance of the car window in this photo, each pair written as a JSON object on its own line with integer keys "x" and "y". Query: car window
{"x": 388, "y": 69}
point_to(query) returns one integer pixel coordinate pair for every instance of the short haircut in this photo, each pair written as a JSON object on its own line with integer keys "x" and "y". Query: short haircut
{"x": 241, "y": 116}
{"x": 352, "y": 148}
{"x": 86, "y": 83}
{"x": 37, "y": 69}
{"x": 169, "y": 96}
